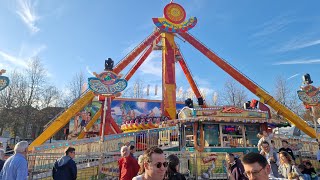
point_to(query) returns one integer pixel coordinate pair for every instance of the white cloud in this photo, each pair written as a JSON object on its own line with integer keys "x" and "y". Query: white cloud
{"x": 152, "y": 65}
{"x": 299, "y": 44}
{"x": 26, "y": 52}
{"x": 293, "y": 76}
{"x": 26, "y": 11}
{"x": 13, "y": 60}
{"x": 274, "y": 25}
{"x": 89, "y": 71}
{"x": 299, "y": 61}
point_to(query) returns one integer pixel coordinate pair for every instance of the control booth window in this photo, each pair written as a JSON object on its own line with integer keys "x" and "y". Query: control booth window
{"x": 232, "y": 135}
{"x": 251, "y": 135}
{"x": 189, "y": 135}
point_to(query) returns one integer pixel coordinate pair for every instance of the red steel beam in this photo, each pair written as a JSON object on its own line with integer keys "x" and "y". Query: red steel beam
{"x": 140, "y": 61}
{"x": 187, "y": 72}
{"x": 136, "y": 51}
{"x": 221, "y": 63}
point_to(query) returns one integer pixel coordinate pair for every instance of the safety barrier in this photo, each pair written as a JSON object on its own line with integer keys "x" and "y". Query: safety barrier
{"x": 92, "y": 165}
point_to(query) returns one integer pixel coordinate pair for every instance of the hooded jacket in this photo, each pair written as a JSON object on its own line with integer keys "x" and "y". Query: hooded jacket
{"x": 64, "y": 169}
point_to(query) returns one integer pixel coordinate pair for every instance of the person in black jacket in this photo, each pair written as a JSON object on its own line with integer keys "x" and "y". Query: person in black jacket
{"x": 65, "y": 168}
{"x": 1, "y": 159}
{"x": 285, "y": 147}
{"x": 173, "y": 167}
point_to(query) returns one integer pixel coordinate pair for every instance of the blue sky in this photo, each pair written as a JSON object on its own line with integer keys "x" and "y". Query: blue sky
{"x": 263, "y": 39}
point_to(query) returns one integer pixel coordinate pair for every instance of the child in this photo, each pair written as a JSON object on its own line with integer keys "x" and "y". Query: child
{"x": 264, "y": 137}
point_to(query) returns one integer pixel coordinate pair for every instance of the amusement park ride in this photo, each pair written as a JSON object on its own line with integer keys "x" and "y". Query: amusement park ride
{"x": 172, "y": 25}
{"x": 4, "y": 81}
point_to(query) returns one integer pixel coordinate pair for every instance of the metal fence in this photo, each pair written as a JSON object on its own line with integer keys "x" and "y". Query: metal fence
{"x": 94, "y": 166}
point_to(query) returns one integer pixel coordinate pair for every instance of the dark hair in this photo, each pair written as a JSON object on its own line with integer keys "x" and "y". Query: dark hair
{"x": 288, "y": 156}
{"x": 132, "y": 147}
{"x": 285, "y": 141}
{"x": 302, "y": 166}
{"x": 69, "y": 150}
{"x": 173, "y": 162}
{"x": 148, "y": 153}
{"x": 230, "y": 154}
{"x": 272, "y": 141}
{"x": 308, "y": 163}
{"x": 172, "y": 172}
{"x": 252, "y": 158}
{"x": 265, "y": 142}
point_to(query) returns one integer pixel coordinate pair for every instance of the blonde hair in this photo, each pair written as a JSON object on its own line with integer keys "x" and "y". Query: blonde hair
{"x": 140, "y": 162}
{"x": 293, "y": 176}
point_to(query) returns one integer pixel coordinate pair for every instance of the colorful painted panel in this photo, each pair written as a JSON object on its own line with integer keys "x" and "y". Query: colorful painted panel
{"x": 107, "y": 83}
{"x": 165, "y": 25}
{"x": 121, "y": 110}
{"x": 4, "y": 82}
{"x": 310, "y": 95}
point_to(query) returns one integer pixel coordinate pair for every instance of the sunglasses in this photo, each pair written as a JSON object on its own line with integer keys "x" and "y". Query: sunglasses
{"x": 159, "y": 164}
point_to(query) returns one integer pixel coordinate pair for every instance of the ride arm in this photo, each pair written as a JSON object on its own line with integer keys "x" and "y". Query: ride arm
{"x": 136, "y": 51}
{"x": 192, "y": 83}
{"x": 254, "y": 88}
{"x": 63, "y": 119}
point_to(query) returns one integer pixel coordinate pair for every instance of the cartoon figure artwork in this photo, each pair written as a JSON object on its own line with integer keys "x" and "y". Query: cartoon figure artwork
{"x": 211, "y": 158}
{"x": 107, "y": 83}
{"x": 4, "y": 81}
{"x": 309, "y": 94}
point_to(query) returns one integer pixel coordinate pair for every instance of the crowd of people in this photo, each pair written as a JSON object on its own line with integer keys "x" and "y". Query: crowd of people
{"x": 275, "y": 163}
{"x": 151, "y": 165}
{"x": 269, "y": 163}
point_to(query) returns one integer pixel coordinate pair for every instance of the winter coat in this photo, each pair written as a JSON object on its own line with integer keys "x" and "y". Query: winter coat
{"x": 285, "y": 170}
{"x": 128, "y": 167}
{"x": 236, "y": 170}
{"x": 64, "y": 169}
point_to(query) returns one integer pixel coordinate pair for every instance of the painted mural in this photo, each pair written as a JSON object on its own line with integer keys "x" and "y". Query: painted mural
{"x": 121, "y": 111}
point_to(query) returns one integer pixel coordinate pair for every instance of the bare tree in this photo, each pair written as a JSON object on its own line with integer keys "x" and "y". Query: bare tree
{"x": 137, "y": 90}
{"x": 233, "y": 94}
{"x": 50, "y": 97}
{"x": 286, "y": 95}
{"x": 76, "y": 84}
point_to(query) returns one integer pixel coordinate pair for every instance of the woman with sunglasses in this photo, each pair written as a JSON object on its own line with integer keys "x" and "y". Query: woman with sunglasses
{"x": 173, "y": 168}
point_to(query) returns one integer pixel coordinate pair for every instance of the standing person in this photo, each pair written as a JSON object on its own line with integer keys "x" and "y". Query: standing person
{"x": 235, "y": 167}
{"x": 264, "y": 136}
{"x": 256, "y": 166}
{"x": 302, "y": 168}
{"x": 132, "y": 150}
{"x": 128, "y": 165}
{"x": 285, "y": 147}
{"x": 16, "y": 167}
{"x": 65, "y": 168}
{"x": 274, "y": 146}
{"x": 173, "y": 168}
{"x": 155, "y": 164}
{"x": 1, "y": 159}
{"x": 271, "y": 157}
{"x": 287, "y": 165}
{"x": 310, "y": 171}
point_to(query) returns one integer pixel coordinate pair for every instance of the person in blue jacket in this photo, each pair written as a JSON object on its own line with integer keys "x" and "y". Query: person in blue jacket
{"x": 65, "y": 168}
